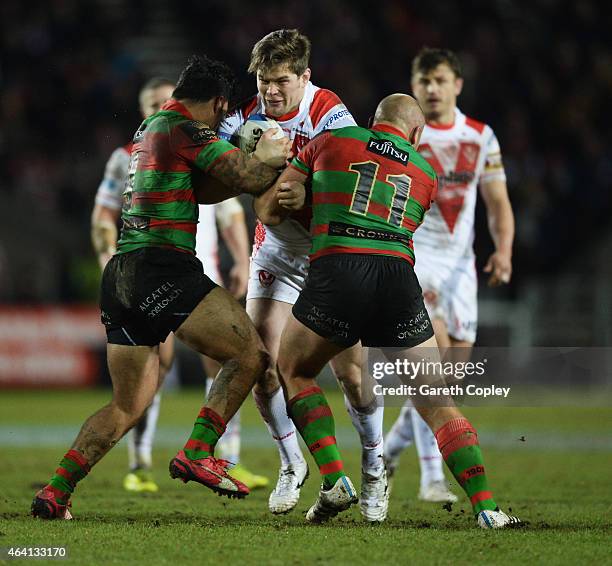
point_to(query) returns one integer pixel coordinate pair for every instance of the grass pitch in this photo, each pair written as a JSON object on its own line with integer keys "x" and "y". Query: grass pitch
{"x": 552, "y": 467}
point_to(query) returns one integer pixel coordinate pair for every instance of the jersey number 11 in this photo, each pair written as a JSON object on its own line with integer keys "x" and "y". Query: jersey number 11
{"x": 367, "y": 172}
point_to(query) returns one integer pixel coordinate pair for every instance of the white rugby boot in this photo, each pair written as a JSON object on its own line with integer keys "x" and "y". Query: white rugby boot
{"x": 497, "y": 520}
{"x": 332, "y": 501}
{"x": 437, "y": 492}
{"x": 374, "y": 500}
{"x": 286, "y": 494}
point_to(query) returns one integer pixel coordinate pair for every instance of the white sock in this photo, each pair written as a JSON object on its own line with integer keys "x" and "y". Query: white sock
{"x": 228, "y": 446}
{"x": 140, "y": 438}
{"x": 274, "y": 413}
{"x": 430, "y": 458}
{"x": 368, "y": 421}
{"x": 400, "y": 436}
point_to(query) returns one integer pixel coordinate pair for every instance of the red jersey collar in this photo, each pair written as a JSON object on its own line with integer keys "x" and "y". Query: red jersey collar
{"x": 175, "y": 106}
{"x": 284, "y": 117}
{"x": 389, "y": 130}
{"x": 441, "y": 126}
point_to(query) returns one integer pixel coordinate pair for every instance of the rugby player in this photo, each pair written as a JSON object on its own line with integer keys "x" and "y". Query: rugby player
{"x": 279, "y": 264}
{"x": 465, "y": 155}
{"x": 370, "y": 191}
{"x": 154, "y": 285}
{"x": 230, "y": 217}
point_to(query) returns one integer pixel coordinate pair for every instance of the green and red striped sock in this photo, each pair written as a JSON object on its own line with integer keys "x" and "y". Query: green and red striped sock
{"x": 458, "y": 443}
{"x": 72, "y": 469}
{"x": 207, "y": 430}
{"x": 314, "y": 420}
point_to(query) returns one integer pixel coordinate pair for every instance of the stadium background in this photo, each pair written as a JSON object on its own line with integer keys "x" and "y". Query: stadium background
{"x": 70, "y": 70}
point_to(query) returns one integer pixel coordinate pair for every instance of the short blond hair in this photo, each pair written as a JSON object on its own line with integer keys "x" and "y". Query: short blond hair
{"x": 283, "y": 46}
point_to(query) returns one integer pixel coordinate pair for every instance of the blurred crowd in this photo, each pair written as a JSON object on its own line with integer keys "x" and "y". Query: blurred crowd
{"x": 538, "y": 74}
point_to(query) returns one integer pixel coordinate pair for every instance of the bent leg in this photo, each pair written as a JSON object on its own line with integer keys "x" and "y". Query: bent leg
{"x": 269, "y": 317}
{"x": 302, "y": 355}
{"x": 362, "y": 407}
{"x": 456, "y": 438}
{"x": 220, "y": 328}
{"x": 134, "y": 373}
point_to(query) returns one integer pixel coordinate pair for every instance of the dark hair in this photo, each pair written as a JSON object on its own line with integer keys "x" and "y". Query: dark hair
{"x": 204, "y": 78}
{"x": 279, "y": 47}
{"x": 429, "y": 58}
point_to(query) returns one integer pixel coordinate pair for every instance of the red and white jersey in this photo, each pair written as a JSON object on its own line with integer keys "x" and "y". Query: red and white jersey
{"x": 110, "y": 191}
{"x": 463, "y": 155}
{"x": 320, "y": 110}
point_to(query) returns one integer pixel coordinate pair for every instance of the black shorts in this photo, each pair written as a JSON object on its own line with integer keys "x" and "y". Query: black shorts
{"x": 375, "y": 299}
{"x": 148, "y": 293}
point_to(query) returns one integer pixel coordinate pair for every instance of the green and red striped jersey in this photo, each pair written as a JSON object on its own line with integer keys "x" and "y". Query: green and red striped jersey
{"x": 159, "y": 202}
{"x": 370, "y": 191}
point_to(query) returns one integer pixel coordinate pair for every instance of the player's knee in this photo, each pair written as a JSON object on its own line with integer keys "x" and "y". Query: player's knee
{"x": 255, "y": 360}
{"x": 269, "y": 383}
{"x": 349, "y": 375}
{"x": 130, "y": 411}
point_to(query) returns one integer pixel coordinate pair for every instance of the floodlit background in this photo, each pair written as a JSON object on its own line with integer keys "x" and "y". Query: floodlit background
{"x": 542, "y": 78}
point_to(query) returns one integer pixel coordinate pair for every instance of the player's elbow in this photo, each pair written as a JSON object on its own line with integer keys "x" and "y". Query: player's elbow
{"x": 269, "y": 218}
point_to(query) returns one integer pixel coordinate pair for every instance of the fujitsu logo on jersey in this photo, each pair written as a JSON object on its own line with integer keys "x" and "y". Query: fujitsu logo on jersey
{"x": 388, "y": 149}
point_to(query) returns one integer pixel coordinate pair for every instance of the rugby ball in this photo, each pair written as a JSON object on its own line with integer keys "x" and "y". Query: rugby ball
{"x": 248, "y": 134}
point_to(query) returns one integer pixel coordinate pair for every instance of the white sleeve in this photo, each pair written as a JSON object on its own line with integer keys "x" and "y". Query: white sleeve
{"x": 225, "y": 210}
{"x": 110, "y": 191}
{"x": 493, "y": 169}
{"x": 336, "y": 117}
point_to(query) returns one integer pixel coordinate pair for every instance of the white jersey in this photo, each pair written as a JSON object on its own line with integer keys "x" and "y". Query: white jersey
{"x": 463, "y": 155}
{"x": 110, "y": 194}
{"x": 319, "y": 110}
{"x": 207, "y": 237}
{"x": 110, "y": 191}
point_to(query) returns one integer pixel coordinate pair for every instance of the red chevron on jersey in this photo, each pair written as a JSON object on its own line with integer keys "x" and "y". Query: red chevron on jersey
{"x": 453, "y": 185}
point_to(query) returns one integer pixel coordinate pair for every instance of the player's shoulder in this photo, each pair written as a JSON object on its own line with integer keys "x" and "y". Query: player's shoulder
{"x": 419, "y": 161}
{"x": 244, "y": 108}
{"x": 121, "y": 155}
{"x": 237, "y": 116}
{"x": 197, "y": 131}
{"x": 477, "y": 127}
{"x": 323, "y": 103}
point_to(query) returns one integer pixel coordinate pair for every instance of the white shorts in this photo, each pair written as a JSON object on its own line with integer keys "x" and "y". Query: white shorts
{"x": 276, "y": 274}
{"x": 450, "y": 288}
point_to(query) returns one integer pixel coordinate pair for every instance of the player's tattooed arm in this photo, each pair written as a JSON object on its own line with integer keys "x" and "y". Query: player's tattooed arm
{"x": 256, "y": 172}
{"x": 287, "y": 194}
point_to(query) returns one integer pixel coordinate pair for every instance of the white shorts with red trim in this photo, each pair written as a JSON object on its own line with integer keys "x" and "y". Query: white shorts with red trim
{"x": 276, "y": 274}
{"x": 450, "y": 289}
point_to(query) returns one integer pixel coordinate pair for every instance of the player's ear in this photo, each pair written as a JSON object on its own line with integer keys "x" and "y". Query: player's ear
{"x": 220, "y": 104}
{"x": 415, "y": 136}
{"x": 306, "y": 75}
{"x": 458, "y": 86}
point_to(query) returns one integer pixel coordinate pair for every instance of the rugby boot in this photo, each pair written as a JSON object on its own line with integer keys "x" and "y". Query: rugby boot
{"x": 45, "y": 506}
{"x": 374, "y": 500}
{"x": 140, "y": 481}
{"x": 286, "y": 494}
{"x": 498, "y": 520}
{"x": 332, "y": 501}
{"x": 437, "y": 492}
{"x": 210, "y": 472}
